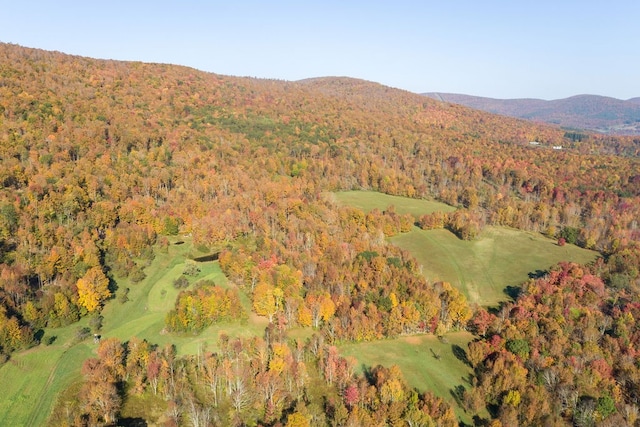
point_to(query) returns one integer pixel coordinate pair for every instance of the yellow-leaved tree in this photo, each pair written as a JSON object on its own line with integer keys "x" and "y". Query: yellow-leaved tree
{"x": 266, "y": 300}
{"x": 298, "y": 419}
{"x": 93, "y": 289}
{"x": 455, "y": 311}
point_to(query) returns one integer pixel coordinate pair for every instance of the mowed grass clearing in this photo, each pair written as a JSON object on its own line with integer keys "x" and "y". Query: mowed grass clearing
{"x": 427, "y": 362}
{"x": 483, "y": 268}
{"x": 33, "y": 379}
{"x": 369, "y": 200}
{"x": 143, "y": 316}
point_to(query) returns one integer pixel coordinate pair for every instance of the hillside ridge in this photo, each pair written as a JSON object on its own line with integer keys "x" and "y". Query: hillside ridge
{"x": 118, "y": 179}
{"x": 597, "y": 113}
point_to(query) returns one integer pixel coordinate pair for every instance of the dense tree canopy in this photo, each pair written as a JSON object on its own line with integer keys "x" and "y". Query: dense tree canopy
{"x": 100, "y": 160}
{"x": 568, "y": 344}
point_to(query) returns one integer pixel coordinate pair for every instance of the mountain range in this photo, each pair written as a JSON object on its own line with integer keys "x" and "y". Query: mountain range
{"x": 588, "y": 112}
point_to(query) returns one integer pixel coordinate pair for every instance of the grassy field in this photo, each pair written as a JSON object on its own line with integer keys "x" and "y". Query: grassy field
{"x": 143, "y": 316}
{"x": 369, "y": 200}
{"x": 31, "y": 381}
{"x": 426, "y": 362}
{"x": 34, "y": 378}
{"x": 483, "y": 268}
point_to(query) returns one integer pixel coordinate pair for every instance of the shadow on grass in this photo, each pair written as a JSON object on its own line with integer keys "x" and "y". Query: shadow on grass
{"x": 460, "y": 354}
{"x": 436, "y": 354}
{"x": 207, "y": 258}
{"x": 458, "y": 395}
{"x": 538, "y": 274}
{"x": 38, "y": 335}
{"x": 468, "y": 379}
{"x": 367, "y": 371}
{"x": 513, "y": 292}
{"x": 479, "y": 421}
{"x": 132, "y": 422}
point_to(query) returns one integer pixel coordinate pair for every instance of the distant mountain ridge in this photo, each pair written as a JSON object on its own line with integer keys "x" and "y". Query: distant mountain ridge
{"x": 589, "y": 112}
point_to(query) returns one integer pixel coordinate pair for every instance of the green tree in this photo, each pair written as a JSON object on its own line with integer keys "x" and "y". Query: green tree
{"x": 171, "y": 226}
{"x": 570, "y": 235}
{"x": 605, "y": 406}
{"x": 519, "y": 347}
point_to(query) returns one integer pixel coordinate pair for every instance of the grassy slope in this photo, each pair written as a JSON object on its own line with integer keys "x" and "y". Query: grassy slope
{"x": 144, "y": 314}
{"x": 484, "y": 267}
{"x": 426, "y": 362}
{"x": 33, "y": 379}
{"x": 369, "y": 200}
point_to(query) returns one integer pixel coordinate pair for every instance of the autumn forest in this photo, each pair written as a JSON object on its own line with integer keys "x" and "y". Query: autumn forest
{"x": 107, "y": 166}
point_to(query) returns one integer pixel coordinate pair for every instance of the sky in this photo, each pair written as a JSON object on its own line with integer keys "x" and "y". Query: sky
{"x": 500, "y": 49}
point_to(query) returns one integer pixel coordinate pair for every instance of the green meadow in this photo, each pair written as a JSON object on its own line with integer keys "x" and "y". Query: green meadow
{"x": 143, "y": 316}
{"x": 484, "y": 268}
{"x": 427, "y": 363}
{"x": 33, "y": 379}
{"x": 369, "y": 200}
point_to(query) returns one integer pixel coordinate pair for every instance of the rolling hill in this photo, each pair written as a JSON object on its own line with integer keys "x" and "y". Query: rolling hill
{"x": 588, "y": 112}
{"x": 116, "y": 176}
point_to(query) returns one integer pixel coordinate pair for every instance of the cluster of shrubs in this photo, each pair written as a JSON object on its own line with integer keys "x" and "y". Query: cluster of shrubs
{"x": 182, "y": 282}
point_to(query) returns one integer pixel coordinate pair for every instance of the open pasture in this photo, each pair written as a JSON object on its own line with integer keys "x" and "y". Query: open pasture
{"x": 427, "y": 363}
{"x": 485, "y": 268}
{"x": 42, "y": 373}
{"x": 369, "y": 200}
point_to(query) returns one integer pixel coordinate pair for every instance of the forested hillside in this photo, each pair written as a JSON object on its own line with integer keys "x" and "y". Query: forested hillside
{"x": 589, "y": 112}
{"x": 102, "y": 161}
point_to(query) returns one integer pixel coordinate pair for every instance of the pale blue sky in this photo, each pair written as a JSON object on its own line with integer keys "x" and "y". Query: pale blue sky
{"x": 502, "y": 49}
